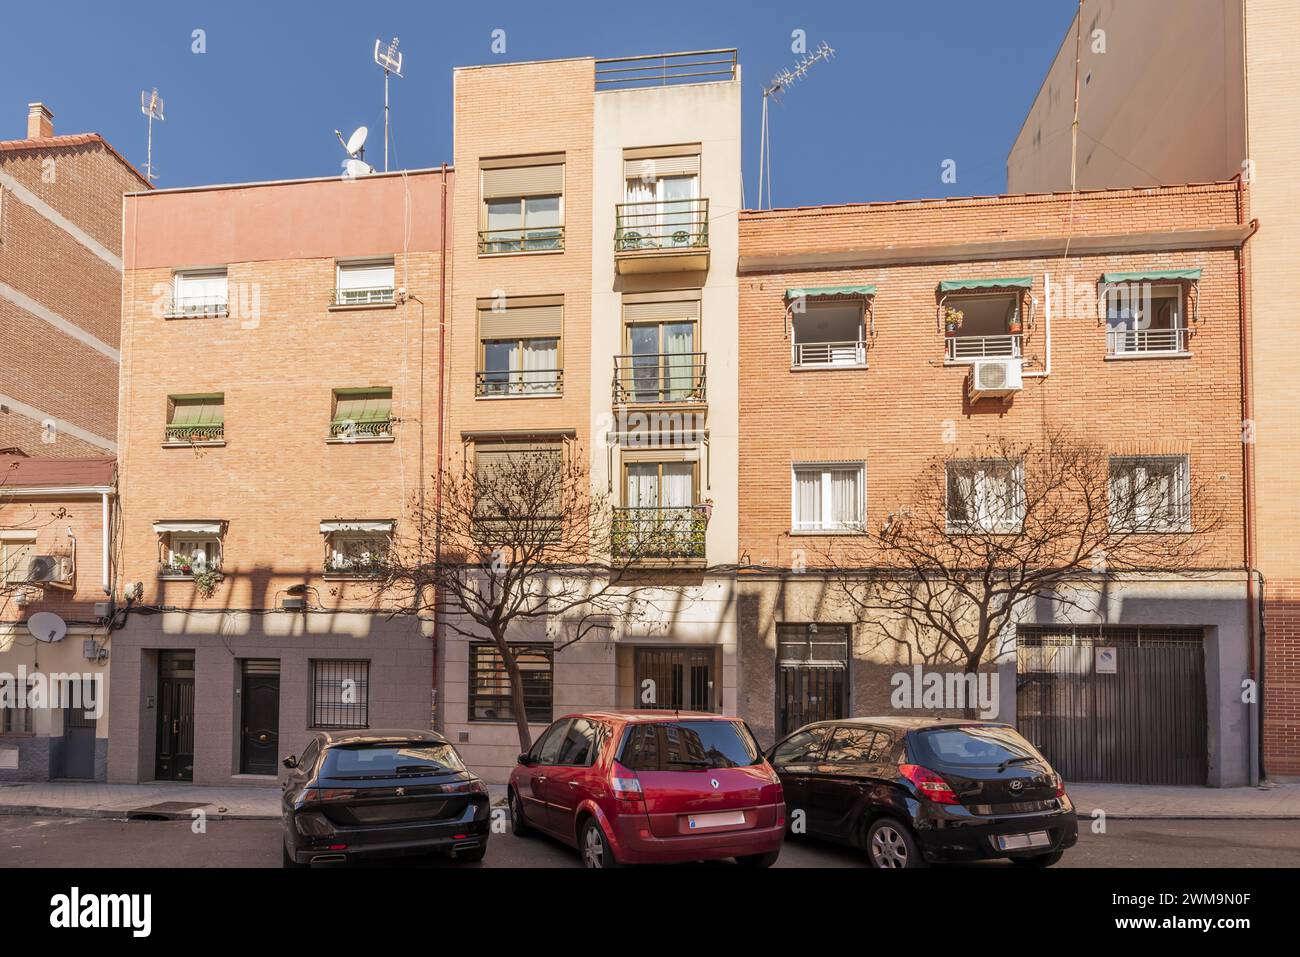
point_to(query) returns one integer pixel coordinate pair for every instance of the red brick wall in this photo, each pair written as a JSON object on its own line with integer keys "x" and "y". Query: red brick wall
{"x": 1282, "y": 678}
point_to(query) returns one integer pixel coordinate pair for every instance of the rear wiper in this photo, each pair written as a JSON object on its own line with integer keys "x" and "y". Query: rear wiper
{"x": 1010, "y": 761}
{"x": 421, "y": 769}
{"x": 692, "y": 763}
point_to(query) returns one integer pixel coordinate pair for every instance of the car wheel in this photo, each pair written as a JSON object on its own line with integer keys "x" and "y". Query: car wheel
{"x": 287, "y": 859}
{"x": 518, "y": 826}
{"x": 890, "y": 844}
{"x": 759, "y": 861}
{"x": 1039, "y": 860}
{"x": 595, "y": 848}
{"x": 472, "y": 853}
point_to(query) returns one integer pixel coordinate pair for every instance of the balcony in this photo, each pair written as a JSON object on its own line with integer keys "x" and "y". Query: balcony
{"x": 676, "y": 378}
{"x": 187, "y": 571}
{"x": 353, "y": 430}
{"x": 514, "y": 383}
{"x": 196, "y": 307}
{"x": 1140, "y": 342}
{"x": 501, "y": 241}
{"x": 969, "y": 348}
{"x": 850, "y": 352}
{"x": 661, "y": 236}
{"x": 195, "y": 434}
{"x": 660, "y": 534}
{"x": 377, "y": 296}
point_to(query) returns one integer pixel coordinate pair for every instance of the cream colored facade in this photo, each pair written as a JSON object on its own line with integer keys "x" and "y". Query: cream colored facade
{"x": 1197, "y": 91}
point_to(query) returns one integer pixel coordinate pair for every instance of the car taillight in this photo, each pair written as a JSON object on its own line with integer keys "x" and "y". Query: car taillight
{"x": 930, "y": 785}
{"x": 1059, "y": 783}
{"x": 322, "y": 795}
{"x": 624, "y": 783}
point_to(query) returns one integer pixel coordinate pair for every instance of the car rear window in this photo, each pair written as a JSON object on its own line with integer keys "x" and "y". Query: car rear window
{"x": 388, "y": 760}
{"x": 689, "y": 746}
{"x": 970, "y": 746}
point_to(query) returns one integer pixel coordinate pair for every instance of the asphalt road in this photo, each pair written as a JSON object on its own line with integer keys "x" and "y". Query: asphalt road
{"x": 96, "y": 842}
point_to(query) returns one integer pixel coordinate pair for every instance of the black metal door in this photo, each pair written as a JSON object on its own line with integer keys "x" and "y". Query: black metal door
{"x": 675, "y": 680}
{"x": 259, "y": 749}
{"x": 175, "y": 741}
{"x": 811, "y": 675}
{"x": 1137, "y": 718}
{"x": 76, "y": 754}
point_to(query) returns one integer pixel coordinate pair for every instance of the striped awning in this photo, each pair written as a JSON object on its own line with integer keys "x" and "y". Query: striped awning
{"x": 810, "y": 292}
{"x": 975, "y": 285}
{"x": 1152, "y": 275}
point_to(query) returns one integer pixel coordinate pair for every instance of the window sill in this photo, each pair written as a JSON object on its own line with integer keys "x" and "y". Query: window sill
{"x": 827, "y": 532}
{"x": 1124, "y": 356}
{"x": 522, "y": 252}
{"x": 213, "y": 444}
{"x": 360, "y": 440}
{"x": 506, "y": 722}
{"x": 831, "y": 367}
{"x": 16, "y": 734}
{"x": 970, "y": 362}
{"x": 223, "y": 314}
{"x": 535, "y": 395}
{"x": 166, "y": 577}
{"x": 359, "y": 306}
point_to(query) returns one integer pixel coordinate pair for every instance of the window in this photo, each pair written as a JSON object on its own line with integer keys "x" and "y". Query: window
{"x": 857, "y": 746}
{"x": 547, "y": 749}
{"x": 489, "y": 684}
{"x": 689, "y": 746}
{"x": 662, "y": 360}
{"x": 186, "y": 549}
{"x": 829, "y": 498}
{"x": 340, "y": 693}
{"x": 802, "y": 747}
{"x": 409, "y": 759}
{"x": 199, "y": 292}
{"x": 662, "y": 208}
{"x": 364, "y": 283}
{"x": 196, "y": 418}
{"x": 828, "y": 334}
{"x": 985, "y": 495}
{"x": 17, "y": 547}
{"x": 519, "y": 347}
{"x": 362, "y": 414}
{"x": 1142, "y": 318}
{"x": 521, "y": 481}
{"x": 982, "y": 326}
{"x": 17, "y": 719}
{"x": 357, "y": 547}
{"x": 1150, "y": 494}
{"x": 659, "y": 517}
{"x": 580, "y": 743}
{"x": 523, "y": 205}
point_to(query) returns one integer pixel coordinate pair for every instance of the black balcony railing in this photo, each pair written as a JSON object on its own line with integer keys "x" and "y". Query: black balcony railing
{"x": 659, "y": 378}
{"x": 669, "y": 225}
{"x": 519, "y": 382}
{"x": 540, "y": 239}
{"x": 361, "y": 429}
{"x": 659, "y": 532}
{"x": 196, "y": 433}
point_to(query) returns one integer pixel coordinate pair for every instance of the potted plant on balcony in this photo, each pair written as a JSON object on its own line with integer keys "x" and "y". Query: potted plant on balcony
{"x": 706, "y": 508}
{"x": 205, "y": 581}
{"x": 952, "y": 319}
{"x": 1014, "y": 326}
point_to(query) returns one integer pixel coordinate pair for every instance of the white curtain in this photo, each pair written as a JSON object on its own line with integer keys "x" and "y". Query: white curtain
{"x": 845, "y": 498}
{"x": 679, "y": 344}
{"x": 808, "y": 499}
{"x": 541, "y": 358}
{"x": 642, "y": 485}
{"x": 678, "y": 215}
{"x": 677, "y": 484}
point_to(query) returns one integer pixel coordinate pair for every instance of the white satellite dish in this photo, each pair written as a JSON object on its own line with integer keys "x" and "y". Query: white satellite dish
{"x": 47, "y": 626}
{"x": 354, "y": 168}
{"x": 357, "y": 141}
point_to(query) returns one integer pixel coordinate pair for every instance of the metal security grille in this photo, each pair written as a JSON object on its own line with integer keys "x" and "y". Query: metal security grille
{"x": 340, "y": 694}
{"x": 489, "y": 683}
{"x": 678, "y": 680}
{"x": 1143, "y": 723}
{"x": 811, "y": 674}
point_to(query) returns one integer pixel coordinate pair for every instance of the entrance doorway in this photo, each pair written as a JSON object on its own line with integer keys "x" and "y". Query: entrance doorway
{"x": 174, "y": 760}
{"x": 812, "y": 668}
{"x": 76, "y": 753}
{"x": 675, "y": 679}
{"x": 260, "y": 717}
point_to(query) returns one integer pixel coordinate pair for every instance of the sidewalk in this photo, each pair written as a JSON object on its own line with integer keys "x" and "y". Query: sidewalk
{"x": 1143, "y": 801}
{"x": 157, "y": 799}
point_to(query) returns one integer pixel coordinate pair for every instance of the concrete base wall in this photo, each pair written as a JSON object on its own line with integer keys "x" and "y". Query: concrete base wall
{"x": 400, "y": 656}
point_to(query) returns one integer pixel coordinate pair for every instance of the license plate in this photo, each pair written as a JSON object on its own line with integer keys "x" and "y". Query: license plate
{"x": 699, "y": 822}
{"x": 1016, "y": 842}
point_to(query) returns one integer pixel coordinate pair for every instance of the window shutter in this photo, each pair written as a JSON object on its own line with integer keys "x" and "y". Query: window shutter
{"x": 523, "y": 181}
{"x": 681, "y": 310}
{"x": 643, "y": 167}
{"x": 366, "y": 276}
{"x": 198, "y": 410}
{"x": 366, "y": 406}
{"x": 520, "y": 322}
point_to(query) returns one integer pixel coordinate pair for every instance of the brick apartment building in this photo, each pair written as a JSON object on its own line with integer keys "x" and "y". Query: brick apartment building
{"x": 849, "y": 375}
{"x": 60, "y": 289}
{"x": 56, "y": 522}
{"x": 279, "y": 391}
{"x": 1231, "y": 114}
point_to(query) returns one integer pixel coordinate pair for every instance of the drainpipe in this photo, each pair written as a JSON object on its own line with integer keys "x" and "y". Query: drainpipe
{"x": 104, "y": 582}
{"x": 1255, "y": 728}
{"x": 441, "y": 447}
{"x": 1047, "y": 331}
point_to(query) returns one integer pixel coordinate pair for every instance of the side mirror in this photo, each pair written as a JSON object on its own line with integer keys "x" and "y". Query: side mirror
{"x": 525, "y": 759}
{"x": 290, "y": 762}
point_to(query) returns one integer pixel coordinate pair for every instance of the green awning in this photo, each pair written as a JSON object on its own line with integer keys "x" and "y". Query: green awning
{"x": 207, "y": 409}
{"x": 362, "y": 405}
{"x": 1151, "y": 275}
{"x": 811, "y": 291}
{"x": 962, "y": 285}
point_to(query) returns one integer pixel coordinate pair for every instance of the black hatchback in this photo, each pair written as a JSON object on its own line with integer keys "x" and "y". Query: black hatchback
{"x": 354, "y": 794}
{"x": 917, "y": 791}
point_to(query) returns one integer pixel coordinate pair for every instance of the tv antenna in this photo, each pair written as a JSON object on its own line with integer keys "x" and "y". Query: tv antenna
{"x": 780, "y": 83}
{"x": 355, "y": 146}
{"x": 151, "y": 105}
{"x": 391, "y": 62}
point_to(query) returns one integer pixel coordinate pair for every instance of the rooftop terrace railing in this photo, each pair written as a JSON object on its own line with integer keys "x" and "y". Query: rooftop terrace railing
{"x": 666, "y": 69}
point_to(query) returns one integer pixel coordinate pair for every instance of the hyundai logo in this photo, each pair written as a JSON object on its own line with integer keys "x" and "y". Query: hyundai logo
{"x": 714, "y": 782}
{"x": 1016, "y": 785}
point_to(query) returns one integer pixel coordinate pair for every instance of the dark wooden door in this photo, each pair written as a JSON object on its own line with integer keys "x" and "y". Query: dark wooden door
{"x": 259, "y": 751}
{"x": 175, "y": 759}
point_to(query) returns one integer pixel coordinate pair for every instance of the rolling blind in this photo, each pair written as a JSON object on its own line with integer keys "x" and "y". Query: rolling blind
{"x": 649, "y": 169}
{"x": 202, "y": 410}
{"x": 366, "y": 276}
{"x": 523, "y": 181}
{"x": 661, "y": 311}
{"x": 520, "y": 322}
{"x": 374, "y": 405}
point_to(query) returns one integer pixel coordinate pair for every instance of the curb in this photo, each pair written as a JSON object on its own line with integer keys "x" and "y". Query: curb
{"x": 127, "y": 814}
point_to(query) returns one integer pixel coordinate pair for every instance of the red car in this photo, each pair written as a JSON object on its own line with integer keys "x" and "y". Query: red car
{"x": 650, "y": 787}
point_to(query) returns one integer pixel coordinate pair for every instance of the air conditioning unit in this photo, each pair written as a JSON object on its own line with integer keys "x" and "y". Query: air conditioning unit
{"x": 56, "y": 570}
{"x": 995, "y": 377}
{"x": 293, "y": 603}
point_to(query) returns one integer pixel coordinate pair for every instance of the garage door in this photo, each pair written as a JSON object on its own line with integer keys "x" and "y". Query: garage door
{"x": 1117, "y": 704}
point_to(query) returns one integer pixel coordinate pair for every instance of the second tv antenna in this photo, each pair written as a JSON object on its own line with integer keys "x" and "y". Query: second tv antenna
{"x": 151, "y": 105}
{"x": 780, "y": 83}
{"x": 391, "y": 62}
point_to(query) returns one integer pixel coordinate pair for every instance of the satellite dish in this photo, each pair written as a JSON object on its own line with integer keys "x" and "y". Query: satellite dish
{"x": 47, "y": 626}
{"x": 354, "y": 168}
{"x": 357, "y": 141}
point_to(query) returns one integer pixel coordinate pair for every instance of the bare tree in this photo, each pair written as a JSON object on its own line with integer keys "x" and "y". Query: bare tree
{"x": 527, "y": 543}
{"x": 986, "y": 530}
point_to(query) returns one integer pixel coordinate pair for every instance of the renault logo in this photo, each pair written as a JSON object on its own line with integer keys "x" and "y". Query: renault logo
{"x": 714, "y": 782}
{"x": 400, "y": 792}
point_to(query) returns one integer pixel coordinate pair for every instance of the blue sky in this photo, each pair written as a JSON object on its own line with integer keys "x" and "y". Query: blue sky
{"x": 912, "y": 84}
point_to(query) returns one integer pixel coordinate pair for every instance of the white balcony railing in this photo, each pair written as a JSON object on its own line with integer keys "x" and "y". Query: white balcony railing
{"x": 849, "y": 353}
{"x": 1127, "y": 341}
{"x": 380, "y": 295}
{"x": 983, "y": 347}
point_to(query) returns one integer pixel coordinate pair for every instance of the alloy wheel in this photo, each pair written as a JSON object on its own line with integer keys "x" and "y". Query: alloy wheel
{"x": 593, "y": 848}
{"x": 888, "y": 848}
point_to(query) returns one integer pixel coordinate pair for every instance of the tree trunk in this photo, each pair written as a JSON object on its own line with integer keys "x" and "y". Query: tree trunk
{"x": 516, "y": 693}
{"x": 972, "y": 667}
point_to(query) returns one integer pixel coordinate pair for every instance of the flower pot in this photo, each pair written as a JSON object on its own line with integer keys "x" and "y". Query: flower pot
{"x": 706, "y": 509}
{"x": 1014, "y": 328}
